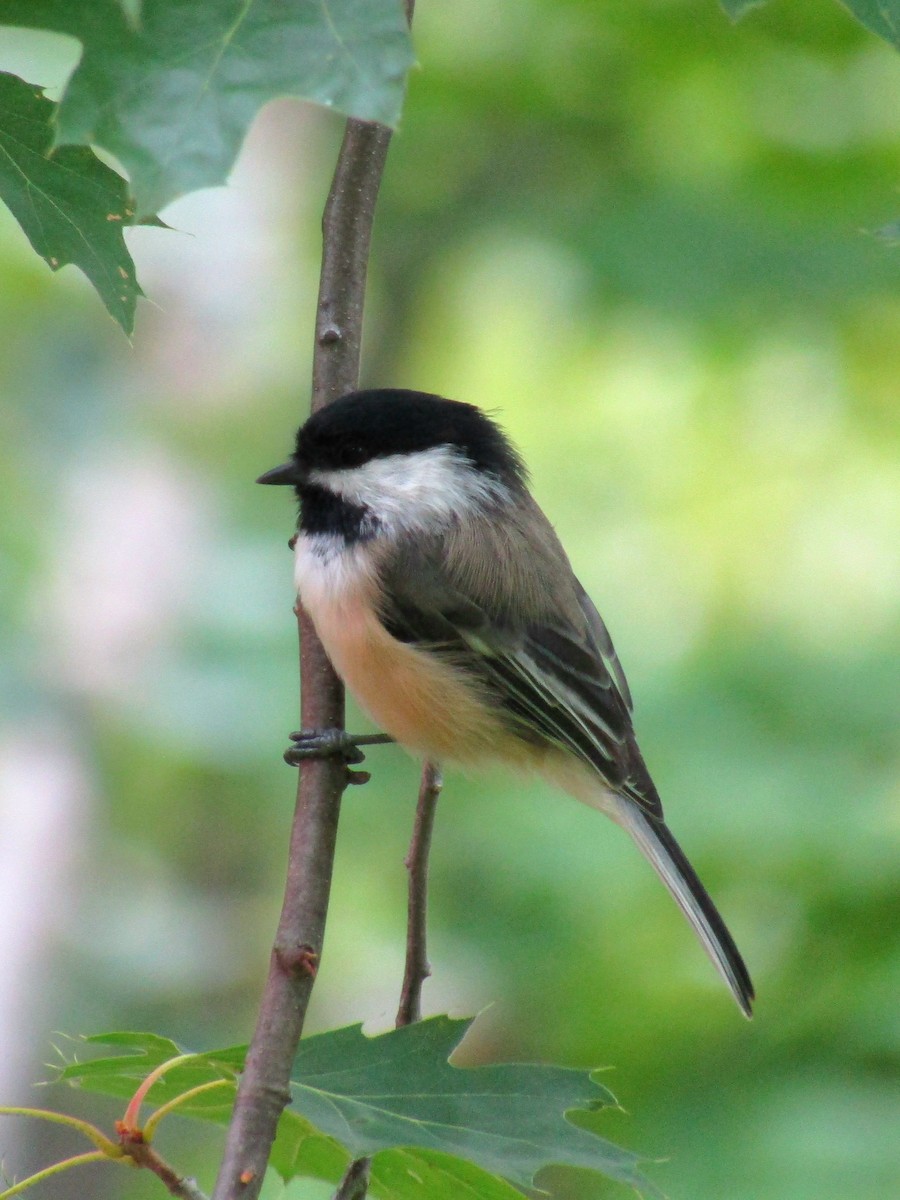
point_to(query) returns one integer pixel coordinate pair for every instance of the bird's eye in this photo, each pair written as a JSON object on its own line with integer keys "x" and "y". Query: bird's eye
{"x": 352, "y": 454}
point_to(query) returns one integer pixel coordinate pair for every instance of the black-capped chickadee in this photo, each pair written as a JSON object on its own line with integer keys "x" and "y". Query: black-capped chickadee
{"x": 448, "y": 606}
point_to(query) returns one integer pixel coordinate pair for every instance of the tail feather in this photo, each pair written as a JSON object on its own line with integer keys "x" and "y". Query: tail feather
{"x": 659, "y": 847}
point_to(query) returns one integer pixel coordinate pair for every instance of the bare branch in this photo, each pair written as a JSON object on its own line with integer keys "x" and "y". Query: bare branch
{"x": 355, "y": 1183}
{"x": 143, "y": 1154}
{"x": 347, "y": 232}
{"x": 417, "y": 968}
{"x": 264, "y": 1086}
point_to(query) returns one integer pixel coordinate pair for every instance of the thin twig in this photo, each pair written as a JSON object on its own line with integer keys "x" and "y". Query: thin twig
{"x": 264, "y": 1091}
{"x": 417, "y": 968}
{"x": 355, "y": 1183}
{"x": 144, "y": 1155}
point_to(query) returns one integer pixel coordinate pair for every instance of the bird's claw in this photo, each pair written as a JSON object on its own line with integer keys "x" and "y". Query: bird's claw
{"x": 334, "y": 743}
{"x": 323, "y": 743}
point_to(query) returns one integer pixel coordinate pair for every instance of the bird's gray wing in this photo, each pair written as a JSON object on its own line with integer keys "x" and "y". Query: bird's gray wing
{"x": 553, "y": 680}
{"x": 557, "y": 678}
{"x": 604, "y": 645}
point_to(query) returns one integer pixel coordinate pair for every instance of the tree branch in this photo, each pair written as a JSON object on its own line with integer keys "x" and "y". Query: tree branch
{"x": 264, "y": 1086}
{"x": 417, "y": 968}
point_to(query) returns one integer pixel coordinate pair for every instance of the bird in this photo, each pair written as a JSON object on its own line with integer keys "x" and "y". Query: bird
{"x": 449, "y": 608}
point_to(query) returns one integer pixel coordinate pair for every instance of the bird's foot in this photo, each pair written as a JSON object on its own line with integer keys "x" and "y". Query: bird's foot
{"x": 333, "y": 743}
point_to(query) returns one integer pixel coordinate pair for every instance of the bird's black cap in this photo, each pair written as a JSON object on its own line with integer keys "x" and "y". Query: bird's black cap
{"x": 384, "y": 421}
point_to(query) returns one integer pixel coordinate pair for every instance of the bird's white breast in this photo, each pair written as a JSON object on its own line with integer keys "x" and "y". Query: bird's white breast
{"x": 422, "y": 702}
{"x": 329, "y": 573}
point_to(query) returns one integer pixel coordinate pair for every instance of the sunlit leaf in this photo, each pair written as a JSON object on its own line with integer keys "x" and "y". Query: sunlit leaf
{"x": 120, "y": 1074}
{"x": 737, "y": 8}
{"x": 428, "y": 1175}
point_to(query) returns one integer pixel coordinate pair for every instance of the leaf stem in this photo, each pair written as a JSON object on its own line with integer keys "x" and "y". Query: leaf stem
{"x": 129, "y": 1121}
{"x": 163, "y": 1111}
{"x": 94, "y": 1135}
{"x": 48, "y": 1172}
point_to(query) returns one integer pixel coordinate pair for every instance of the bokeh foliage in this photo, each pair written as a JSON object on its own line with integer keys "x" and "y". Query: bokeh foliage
{"x": 641, "y": 234}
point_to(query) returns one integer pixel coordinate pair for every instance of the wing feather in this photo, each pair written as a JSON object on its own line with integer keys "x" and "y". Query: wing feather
{"x": 553, "y": 680}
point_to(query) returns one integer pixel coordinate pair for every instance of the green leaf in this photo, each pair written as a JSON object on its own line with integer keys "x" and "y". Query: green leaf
{"x": 120, "y": 1074}
{"x": 398, "y": 1089}
{"x": 398, "y": 1174}
{"x": 739, "y": 8}
{"x": 300, "y": 1149}
{"x": 881, "y": 16}
{"x": 170, "y": 87}
{"x": 71, "y": 206}
{"x": 427, "y": 1175}
{"x": 435, "y": 1130}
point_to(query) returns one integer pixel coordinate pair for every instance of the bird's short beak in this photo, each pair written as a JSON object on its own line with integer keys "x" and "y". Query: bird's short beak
{"x": 287, "y": 473}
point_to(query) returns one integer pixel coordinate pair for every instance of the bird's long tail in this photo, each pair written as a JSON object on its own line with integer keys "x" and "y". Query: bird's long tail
{"x": 659, "y": 847}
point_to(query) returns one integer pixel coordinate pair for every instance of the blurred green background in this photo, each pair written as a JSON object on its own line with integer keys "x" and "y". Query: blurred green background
{"x": 643, "y": 238}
